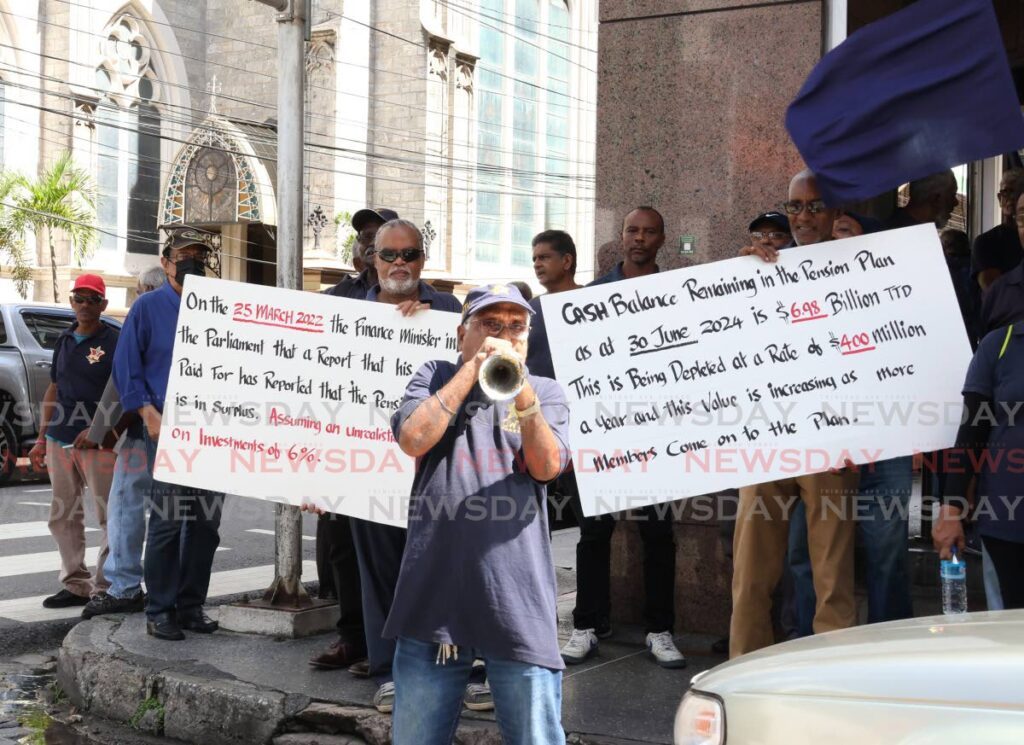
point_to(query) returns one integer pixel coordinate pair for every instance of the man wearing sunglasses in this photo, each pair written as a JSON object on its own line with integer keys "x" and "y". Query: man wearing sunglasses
{"x": 184, "y": 522}
{"x": 761, "y": 539}
{"x": 477, "y": 578}
{"x": 81, "y": 367}
{"x": 398, "y": 260}
{"x": 335, "y": 551}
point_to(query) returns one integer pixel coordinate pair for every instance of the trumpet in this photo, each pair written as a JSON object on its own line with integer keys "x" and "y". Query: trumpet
{"x": 502, "y": 376}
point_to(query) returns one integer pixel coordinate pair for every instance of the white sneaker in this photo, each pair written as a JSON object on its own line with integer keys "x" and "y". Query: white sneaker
{"x": 663, "y": 650}
{"x": 384, "y": 698}
{"x": 580, "y": 646}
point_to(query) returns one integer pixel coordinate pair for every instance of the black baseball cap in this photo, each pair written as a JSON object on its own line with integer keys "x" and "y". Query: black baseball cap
{"x": 777, "y": 219}
{"x": 366, "y": 215}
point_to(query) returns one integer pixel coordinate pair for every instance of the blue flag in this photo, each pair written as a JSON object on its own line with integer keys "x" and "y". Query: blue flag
{"x": 920, "y": 91}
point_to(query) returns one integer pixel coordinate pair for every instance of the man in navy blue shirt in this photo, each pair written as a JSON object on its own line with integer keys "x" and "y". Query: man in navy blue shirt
{"x": 79, "y": 373}
{"x": 477, "y": 578}
{"x": 643, "y": 235}
{"x": 184, "y": 522}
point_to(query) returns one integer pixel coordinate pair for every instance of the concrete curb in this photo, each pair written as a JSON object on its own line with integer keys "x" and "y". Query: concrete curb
{"x": 187, "y": 701}
{"x": 194, "y": 702}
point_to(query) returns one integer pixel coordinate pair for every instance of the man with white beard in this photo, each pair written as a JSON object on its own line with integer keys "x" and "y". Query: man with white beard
{"x": 399, "y": 259}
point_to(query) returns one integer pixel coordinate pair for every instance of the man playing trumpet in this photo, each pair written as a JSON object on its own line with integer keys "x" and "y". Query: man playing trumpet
{"x": 477, "y": 578}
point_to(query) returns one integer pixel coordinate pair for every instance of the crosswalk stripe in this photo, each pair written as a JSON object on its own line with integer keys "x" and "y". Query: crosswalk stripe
{"x": 36, "y": 529}
{"x": 35, "y": 504}
{"x": 264, "y": 531}
{"x": 251, "y": 579}
{"x": 45, "y": 561}
{"x": 36, "y": 491}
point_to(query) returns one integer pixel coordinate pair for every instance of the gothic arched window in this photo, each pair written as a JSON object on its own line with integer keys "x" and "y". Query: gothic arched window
{"x": 127, "y": 140}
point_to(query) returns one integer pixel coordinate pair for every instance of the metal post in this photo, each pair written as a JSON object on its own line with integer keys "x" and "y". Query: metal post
{"x": 287, "y": 590}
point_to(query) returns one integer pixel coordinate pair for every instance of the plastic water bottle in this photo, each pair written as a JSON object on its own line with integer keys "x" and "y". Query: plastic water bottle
{"x": 953, "y": 573}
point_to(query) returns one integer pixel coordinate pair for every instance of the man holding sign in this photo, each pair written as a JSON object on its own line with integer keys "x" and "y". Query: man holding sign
{"x": 477, "y": 576}
{"x": 398, "y": 259}
{"x": 762, "y": 521}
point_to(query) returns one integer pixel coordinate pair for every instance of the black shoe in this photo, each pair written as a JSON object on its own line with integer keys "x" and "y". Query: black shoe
{"x": 64, "y": 599}
{"x": 164, "y": 627}
{"x": 105, "y": 603}
{"x": 197, "y": 621}
{"x": 721, "y": 646}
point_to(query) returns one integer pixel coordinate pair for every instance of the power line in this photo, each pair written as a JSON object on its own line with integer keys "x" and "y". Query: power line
{"x": 456, "y": 165}
{"x": 248, "y": 102}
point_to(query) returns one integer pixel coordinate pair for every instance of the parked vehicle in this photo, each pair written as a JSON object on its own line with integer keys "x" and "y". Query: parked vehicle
{"x": 28, "y": 334}
{"x": 943, "y": 679}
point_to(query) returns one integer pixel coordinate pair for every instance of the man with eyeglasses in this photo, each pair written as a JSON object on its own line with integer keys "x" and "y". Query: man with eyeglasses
{"x": 184, "y": 522}
{"x": 998, "y": 251}
{"x": 335, "y": 551}
{"x": 770, "y": 231}
{"x": 477, "y": 578}
{"x": 761, "y": 537}
{"x": 79, "y": 373}
{"x": 398, "y": 260}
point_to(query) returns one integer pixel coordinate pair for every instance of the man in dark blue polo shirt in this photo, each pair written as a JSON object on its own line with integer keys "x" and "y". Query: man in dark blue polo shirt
{"x": 399, "y": 259}
{"x": 184, "y": 522}
{"x": 477, "y": 578}
{"x": 79, "y": 373}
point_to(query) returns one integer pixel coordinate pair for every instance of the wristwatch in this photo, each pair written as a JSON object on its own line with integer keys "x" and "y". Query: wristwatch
{"x": 530, "y": 410}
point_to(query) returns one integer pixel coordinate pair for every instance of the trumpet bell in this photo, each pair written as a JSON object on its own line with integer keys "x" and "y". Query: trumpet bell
{"x": 501, "y": 377}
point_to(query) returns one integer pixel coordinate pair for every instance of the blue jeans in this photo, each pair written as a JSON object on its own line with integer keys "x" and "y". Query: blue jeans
{"x": 882, "y": 516}
{"x": 126, "y": 519}
{"x": 428, "y": 697}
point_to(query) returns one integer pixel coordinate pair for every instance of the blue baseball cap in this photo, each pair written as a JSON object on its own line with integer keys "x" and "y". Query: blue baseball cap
{"x": 482, "y": 297}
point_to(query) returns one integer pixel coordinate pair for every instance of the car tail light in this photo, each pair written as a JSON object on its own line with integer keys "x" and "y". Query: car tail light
{"x": 700, "y": 720}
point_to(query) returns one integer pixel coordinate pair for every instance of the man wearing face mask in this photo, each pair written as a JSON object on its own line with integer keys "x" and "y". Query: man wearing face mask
{"x": 184, "y": 522}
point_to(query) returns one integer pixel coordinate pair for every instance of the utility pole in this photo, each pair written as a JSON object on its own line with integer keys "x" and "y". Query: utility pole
{"x": 287, "y": 591}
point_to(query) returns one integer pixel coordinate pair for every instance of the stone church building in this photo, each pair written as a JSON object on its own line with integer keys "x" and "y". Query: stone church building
{"x": 473, "y": 118}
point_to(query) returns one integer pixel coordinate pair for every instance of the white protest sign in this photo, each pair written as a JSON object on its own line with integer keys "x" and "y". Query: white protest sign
{"x": 740, "y": 372}
{"x": 287, "y": 396}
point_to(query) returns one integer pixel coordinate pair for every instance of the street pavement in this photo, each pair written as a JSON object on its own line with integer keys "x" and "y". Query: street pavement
{"x": 29, "y": 563}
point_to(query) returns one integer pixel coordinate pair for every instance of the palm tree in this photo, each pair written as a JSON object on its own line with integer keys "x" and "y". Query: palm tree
{"x": 12, "y": 243}
{"x": 61, "y": 198}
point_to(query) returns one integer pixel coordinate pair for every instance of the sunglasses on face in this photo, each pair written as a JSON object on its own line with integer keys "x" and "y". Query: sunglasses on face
{"x": 408, "y": 255}
{"x": 86, "y": 299}
{"x": 775, "y": 235}
{"x": 795, "y": 207}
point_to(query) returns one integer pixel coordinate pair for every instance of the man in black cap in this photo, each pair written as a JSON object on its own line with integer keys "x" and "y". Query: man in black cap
{"x": 366, "y": 222}
{"x": 769, "y": 230}
{"x": 184, "y": 522}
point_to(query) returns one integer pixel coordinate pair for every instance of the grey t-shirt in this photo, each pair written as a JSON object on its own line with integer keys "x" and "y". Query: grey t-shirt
{"x": 477, "y": 568}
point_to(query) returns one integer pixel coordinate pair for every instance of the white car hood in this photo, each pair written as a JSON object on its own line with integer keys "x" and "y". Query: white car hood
{"x": 978, "y": 657}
